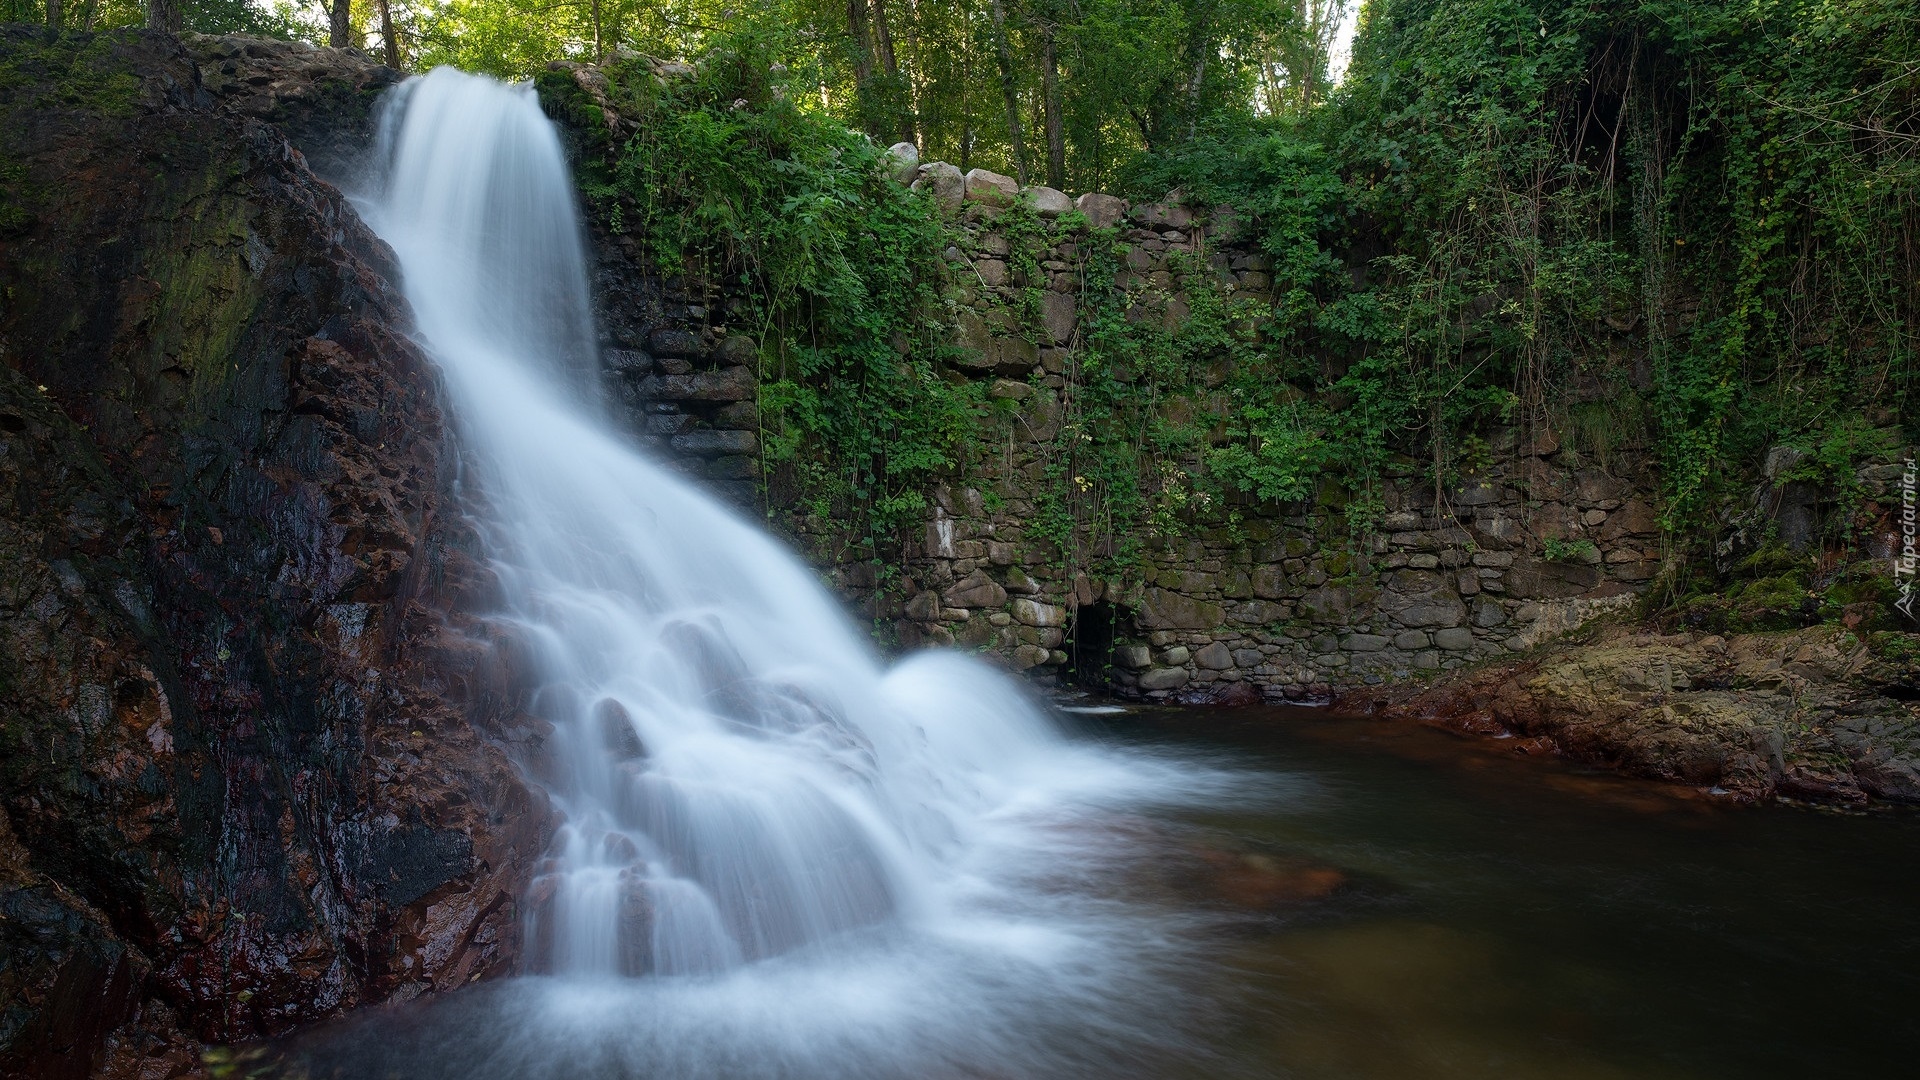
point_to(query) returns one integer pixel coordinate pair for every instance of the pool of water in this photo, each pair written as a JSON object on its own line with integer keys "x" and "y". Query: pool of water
{"x": 1358, "y": 899}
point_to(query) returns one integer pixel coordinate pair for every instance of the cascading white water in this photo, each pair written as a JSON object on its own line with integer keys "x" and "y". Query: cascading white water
{"x": 739, "y": 776}
{"x": 824, "y": 868}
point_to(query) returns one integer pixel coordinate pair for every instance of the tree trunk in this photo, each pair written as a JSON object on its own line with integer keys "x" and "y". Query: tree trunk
{"x": 599, "y": 45}
{"x": 1016, "y": 144}
{"x": 340, "y": 24}
{"x": 862, "y": 49}
{"x": 53, "y": 14}
{"x": 391, "y": 43}
{"x": 1056, "y": 124}
{"x": 883, "y": 38}
{"x": 163, "y": 15}
{"x": 88, "y": 11}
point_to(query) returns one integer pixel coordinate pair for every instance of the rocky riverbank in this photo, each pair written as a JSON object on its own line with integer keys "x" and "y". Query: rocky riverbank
{"x": 1821, "y": 714}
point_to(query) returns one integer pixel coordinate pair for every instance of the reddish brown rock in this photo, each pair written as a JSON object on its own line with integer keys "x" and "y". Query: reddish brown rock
{"x": 250, "y": 767}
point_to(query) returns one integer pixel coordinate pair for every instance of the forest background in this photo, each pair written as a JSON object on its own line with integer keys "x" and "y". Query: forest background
{"x": 1685, "y": 225}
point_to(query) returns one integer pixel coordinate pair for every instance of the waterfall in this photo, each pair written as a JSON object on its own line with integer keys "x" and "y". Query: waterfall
{"x": 739, "y": 775}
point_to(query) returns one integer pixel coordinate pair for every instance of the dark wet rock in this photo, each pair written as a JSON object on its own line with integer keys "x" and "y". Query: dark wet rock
{"x": 323, "y": 100}
{"x": 250, "y": 761}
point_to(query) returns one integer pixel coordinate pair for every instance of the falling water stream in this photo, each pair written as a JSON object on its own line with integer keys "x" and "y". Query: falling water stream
{"x": 740, "y": 777}
{"x": 781, "y": 859}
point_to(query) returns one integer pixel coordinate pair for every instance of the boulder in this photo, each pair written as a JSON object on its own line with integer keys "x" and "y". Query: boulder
{"x": 1034, "y": 613}
{"x": 1164, "y": 679}
{"x": 990, "y": 188}
{"x": 1048, "y": 202}
{"x": 1132, "y": 657}
{"x": 976, "y": 590}
{"x": 1029, "y": 656}
{"x": 1101, "y": 211}
{"x": 943, "y": 182}
{"x": 1214, "y": 656}
{"x": 737, "y": 349}
{"x": 903, "y": 162}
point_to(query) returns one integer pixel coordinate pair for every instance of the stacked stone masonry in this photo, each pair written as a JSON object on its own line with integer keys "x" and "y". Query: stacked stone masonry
{"x": 1279, "y": 608}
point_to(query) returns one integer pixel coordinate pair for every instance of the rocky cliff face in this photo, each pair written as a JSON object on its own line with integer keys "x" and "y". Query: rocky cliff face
{"x": 243, "y": 780}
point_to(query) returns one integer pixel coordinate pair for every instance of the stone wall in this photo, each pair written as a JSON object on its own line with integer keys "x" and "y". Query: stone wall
{"x": 1282, "y": 604}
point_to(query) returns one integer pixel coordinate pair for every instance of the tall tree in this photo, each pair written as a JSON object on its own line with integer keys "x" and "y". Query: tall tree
{"x": 1050, "y": 99}
{"x": 340, "y": 24}
{"x": 1003, "y": 48}
{"x": 53, "y": 14}
{"x": 391, "y": 44}
{"x": 163, "y": 15}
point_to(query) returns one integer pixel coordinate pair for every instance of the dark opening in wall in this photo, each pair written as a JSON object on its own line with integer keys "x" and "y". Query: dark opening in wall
{"x": 1090, "y": 637}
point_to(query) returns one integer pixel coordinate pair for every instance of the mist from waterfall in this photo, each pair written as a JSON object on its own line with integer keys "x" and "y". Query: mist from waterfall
{"x": 762, "y": 823}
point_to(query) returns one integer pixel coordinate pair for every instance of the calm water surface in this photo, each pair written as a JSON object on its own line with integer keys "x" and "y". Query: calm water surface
{"x": 1374, "y": 900}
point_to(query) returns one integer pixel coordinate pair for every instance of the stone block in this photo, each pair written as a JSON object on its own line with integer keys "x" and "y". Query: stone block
{"x": 1034, "y": 613}
{"x": 627, "y": 363}
{"x": 1269, "y": 583}
{"x": 716, "y": 443}
{"x": 1248, "y": 658}
{"x": 732, "y": 467}
{"x": 1164, "y": 610}
{"x": 943, "y": 182}
{"x": 1214, "y": 657}
{"x": 1019, "y": 581}
{"x": 737, "y": 349}
{"x": 976, "y": 590}
{"x": 992, "y": 272}
{"x": 1257, "y": 612}
{"x": 1057, "y": 315}
{"x": 1635, "y": 518}
{"x": 903, "y": 162}
{"x": 1014, "y": 356}
{"x": 1047, "y": 202}
{"x": 1163, "y": 679}
{"x": 924, "y": 606}
{"x": 1163, "y": 216}
{"x": 1102, "y": 211}
{"x": 1132, "y": 657}
{"x": 1029, "y": 656}
{"x": 728, "y": 384}
{"x": 1364, "y": 643}
{"x": 990, "y": 188}
{"x": 1411, "y": 640}
{"x": 1454, "y": 638}
{"x": 670, "y": 341}
{"x": 1178, "y": 654}
{"x": 1001, "y": 553}
{"x": 1538, "y": 579}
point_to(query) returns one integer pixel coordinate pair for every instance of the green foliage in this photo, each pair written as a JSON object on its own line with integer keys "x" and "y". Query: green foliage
{"x": 1557, "y": 550}
{"x": 728, "y": 180}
